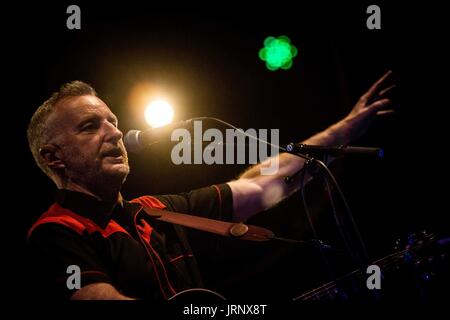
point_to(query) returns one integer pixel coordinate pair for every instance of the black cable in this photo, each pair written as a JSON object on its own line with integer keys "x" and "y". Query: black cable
{"x": 341, "y": 227}
{"x": 246, "y": 134}
{"x": 365, "y": 258}
{"x": 311, "y": 224}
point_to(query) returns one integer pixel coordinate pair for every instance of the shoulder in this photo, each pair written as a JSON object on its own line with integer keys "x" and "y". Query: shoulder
{"x": 58, "y": 219}
{"x": 47, "y": 235}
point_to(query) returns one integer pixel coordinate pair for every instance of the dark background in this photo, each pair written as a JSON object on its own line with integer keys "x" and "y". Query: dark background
{"x": 207, "y": 58}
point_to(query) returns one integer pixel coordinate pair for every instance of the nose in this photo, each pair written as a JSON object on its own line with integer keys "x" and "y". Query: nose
{"x": 112, "y": 133}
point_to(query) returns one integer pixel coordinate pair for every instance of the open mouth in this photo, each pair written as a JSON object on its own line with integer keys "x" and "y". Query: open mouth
{"x": 114, "y": 153}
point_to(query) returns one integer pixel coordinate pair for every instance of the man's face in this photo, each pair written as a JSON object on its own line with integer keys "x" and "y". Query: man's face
{"x": 89, "y": 142}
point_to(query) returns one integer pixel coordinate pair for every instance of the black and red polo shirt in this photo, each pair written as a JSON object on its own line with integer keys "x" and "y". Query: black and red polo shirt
{"x": 140, "y": 256}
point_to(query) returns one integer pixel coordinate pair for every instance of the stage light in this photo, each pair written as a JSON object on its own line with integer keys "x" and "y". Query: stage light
{"x": 278, "y": 53}
{"x": 158, "y": 113}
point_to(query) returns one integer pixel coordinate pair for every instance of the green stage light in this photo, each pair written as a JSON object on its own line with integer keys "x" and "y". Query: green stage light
{"x": 278, "y": 53}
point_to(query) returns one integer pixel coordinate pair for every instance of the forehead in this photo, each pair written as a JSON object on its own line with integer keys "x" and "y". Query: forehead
{"x": 74, "y": 109}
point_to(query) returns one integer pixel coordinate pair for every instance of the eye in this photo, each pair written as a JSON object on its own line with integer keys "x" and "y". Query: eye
{"x": 114, "y": 122}
{"x": 89, "y": 126}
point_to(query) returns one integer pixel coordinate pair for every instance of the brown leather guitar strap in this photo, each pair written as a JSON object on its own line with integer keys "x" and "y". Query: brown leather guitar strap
{"x": 227, "y": 229}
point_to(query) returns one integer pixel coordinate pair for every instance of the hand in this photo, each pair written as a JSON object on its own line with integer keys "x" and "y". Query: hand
{"x": 371, "y": 104}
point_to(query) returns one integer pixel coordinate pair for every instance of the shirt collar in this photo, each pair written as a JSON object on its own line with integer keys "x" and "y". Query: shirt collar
{"x": 100, "y": 212}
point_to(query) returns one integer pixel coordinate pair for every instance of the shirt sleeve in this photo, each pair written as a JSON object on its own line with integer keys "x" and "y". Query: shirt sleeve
{"x": 51, "y": 250}
{"x": 213, "y": 202}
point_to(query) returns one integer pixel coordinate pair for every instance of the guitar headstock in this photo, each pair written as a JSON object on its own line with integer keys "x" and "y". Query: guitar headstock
{"x": 422, "y": 252}
{"x": 415, "y": 241}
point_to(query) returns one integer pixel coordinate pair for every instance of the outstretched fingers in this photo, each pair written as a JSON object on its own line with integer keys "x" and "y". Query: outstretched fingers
{"x": 376, "y": 86}
{"x": 387, "y": 90}
{"x": 380, "y": 107}
{"x": 385, "y": 112}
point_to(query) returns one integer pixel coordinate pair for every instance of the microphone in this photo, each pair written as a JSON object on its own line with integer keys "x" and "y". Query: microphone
{"x": 136, "y": 140}
{"x": 333, "y": 150}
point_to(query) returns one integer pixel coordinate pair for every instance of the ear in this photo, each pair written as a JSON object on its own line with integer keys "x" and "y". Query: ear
{"x": 49, "y": 153}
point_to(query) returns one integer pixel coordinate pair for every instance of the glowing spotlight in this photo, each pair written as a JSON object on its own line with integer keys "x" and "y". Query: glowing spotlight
{"x": 158, "y": 113}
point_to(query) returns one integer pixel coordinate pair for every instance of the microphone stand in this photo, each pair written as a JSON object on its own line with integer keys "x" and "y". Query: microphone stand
{"x": 314, "y": 166}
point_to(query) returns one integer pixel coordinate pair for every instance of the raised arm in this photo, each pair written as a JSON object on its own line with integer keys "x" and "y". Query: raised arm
{"x": 254, "y": 192}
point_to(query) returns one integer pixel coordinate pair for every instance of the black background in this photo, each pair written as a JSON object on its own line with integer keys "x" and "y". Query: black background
{"x": 206, "y": 56}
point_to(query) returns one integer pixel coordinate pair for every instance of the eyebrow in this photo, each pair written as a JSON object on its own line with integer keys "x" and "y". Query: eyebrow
{"x": 94, "y": 117}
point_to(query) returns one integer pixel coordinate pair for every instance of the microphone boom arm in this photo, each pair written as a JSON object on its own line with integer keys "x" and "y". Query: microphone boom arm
{"x": 333, "y": 150}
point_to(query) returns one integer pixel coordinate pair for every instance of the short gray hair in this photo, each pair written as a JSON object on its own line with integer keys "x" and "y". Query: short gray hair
{"x": 38, "y": 132}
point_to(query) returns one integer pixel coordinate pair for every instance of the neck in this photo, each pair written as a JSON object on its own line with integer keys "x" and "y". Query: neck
{"x": 108, "y": 194}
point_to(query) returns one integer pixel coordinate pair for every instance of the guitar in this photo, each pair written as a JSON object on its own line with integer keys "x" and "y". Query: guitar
{"x": 197, "y": 296}
{"x": 419, "y": 255}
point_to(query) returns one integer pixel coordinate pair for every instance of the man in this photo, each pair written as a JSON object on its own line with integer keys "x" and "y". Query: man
{"x": 120, "y": 252}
